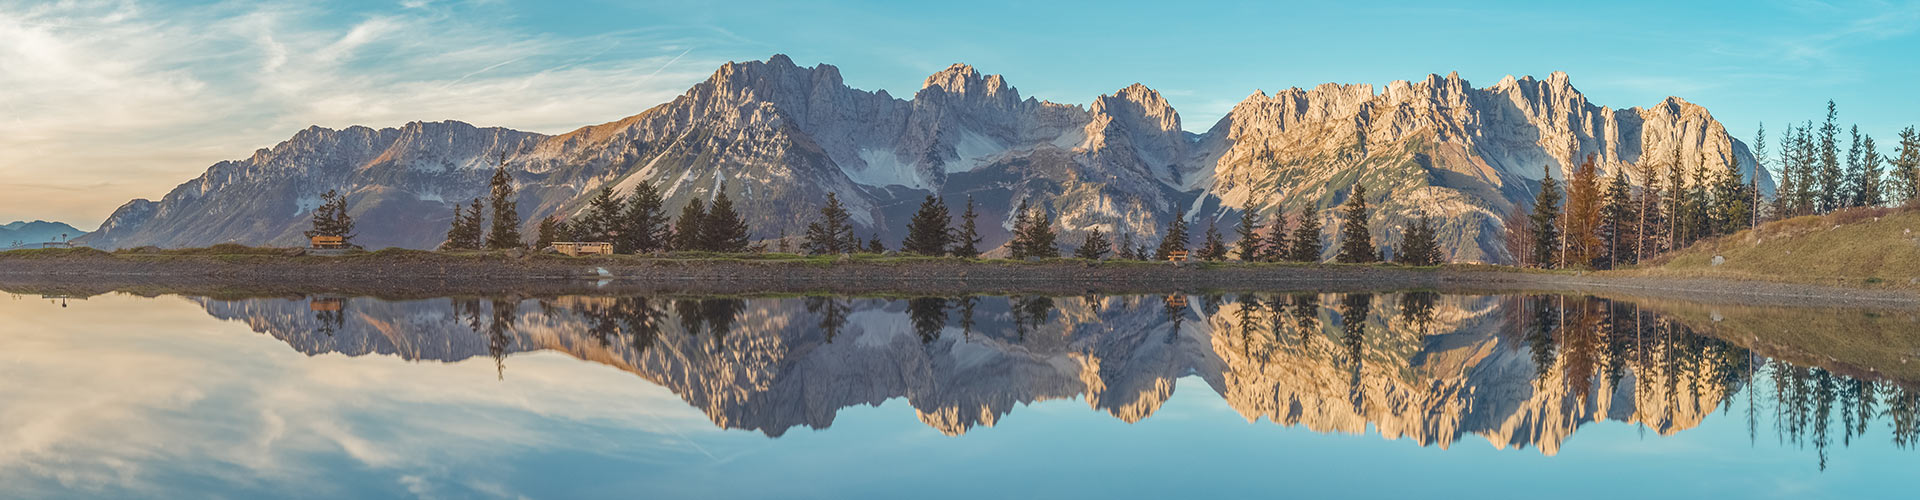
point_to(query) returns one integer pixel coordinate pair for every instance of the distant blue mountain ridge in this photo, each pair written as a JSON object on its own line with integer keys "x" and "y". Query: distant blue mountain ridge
{"x": 31, "y": 234}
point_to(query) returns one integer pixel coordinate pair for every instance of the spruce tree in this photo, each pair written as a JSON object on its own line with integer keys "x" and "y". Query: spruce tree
{"x": 1870, "y": 188}
{"x": 1676, "y": 202}
{"x": 1277, "y": 239}
{"x": 642, "y": 225}
{"x": 1419, "y": 246}
{"x": 1653, "y": 223}
{"x": 1249, "y": 247}
{"x": 1094, "y": 247}
{"x": 454, "y": 237}
{"x": 1356, "y": 241}
{"x": 966, "y": 241}
{"x": 686, "y": 229}
{"x": 1124, "y": 249}
{"x": 722, "y": 229}
{"x": 1212, "y": 246}
{"x": 1906, "y": 165}
{"x": 1546, "y": 220}
{"x": 1760, "y": 163}
{"x": 1855, "y": 172}
{"x": 1034, "y": 235}
{"x": 596, "y": 222}
{"x": 473, "y": 236}
{"x": 331, "y": 219}
{"x": 1784, "y": 194}
{"x": 927, "y": 232}
{"x": 1829, "y": 170}
{"x": 874, "y": 246}
{"x": 1175, "y": 239}
{"x": 1306, "y": 245}
{"x": 1618, "y": 222}
{"x": 548, "y": 232}
{"x": 1018, "y": 245}
{"x": 506, "y": 214}
{"x": 830, "y": 234}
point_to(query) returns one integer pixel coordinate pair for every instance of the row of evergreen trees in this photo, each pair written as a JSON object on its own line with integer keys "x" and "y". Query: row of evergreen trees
{"x": 1612, "y": 222}
{"x": 932, "y": 232}
{"x": 470, "y": 230}
{"x": 638, "y": 223}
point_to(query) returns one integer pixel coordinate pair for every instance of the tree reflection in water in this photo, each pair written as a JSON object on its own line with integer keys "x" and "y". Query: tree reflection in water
{"x": 1520, "y": 370}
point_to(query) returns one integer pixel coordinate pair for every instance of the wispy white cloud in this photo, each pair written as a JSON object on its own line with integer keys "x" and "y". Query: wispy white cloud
{"x": 137, "y": 98}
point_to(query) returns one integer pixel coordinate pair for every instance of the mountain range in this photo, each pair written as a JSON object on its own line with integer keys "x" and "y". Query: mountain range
{"x": 777, "y": 137}
{"x": 23, "y": 234}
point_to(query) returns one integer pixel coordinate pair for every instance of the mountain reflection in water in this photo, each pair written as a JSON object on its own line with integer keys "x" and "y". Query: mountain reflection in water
{"x": 1518, "y": 370}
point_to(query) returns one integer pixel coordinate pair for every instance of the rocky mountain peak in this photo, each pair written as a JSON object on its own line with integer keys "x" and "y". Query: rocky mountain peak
{"x": 964, "y": 81}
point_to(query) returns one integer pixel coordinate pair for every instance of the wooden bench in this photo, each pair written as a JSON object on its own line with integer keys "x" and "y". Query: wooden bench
{"x": 579, "y": 248}
{"x": 329, "y": 242}
{"x": 1177, "y": 256}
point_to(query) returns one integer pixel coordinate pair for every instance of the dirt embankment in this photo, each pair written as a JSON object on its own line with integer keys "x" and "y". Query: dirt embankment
{"x": 425, "y": 273}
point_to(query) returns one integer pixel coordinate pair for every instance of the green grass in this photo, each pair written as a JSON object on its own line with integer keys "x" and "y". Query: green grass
{"x": 1858, "y": 247}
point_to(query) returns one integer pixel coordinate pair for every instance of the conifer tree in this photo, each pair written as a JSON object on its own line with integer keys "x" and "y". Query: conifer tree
{"x": 1855, "y": 172}
{"x": 1094, "y": 247}
{"x": 686, "y": 229}
{"x": 1213, "y": 247}
{"x": 455, "y": 238}
{"x": 1786, "y": 193}
{"x": 1034, "y": 235}
{"x": 927, "y": 232}
{"x": 831, "y": 233}
{"x": 1517, "y": 227}
{"x": 1249, "y": 247}
{"x": 1730, "y": 202}
{"x": 471, "y": 231}
{"x": 966, "y": 240}
{"x": 331, "y": 219}
{"x": 1419, "y": 246}
{"x": 1356, "y": 241}
{"x": 874, "y": 245}
{"x": 1760, "y": 163}
{"x": 1582, "y": 220}
{"x": 1652, "y": 218}
{"x": 547, "y": 233}
{"x": 1017, "y": 245}
{"x": 1546, "y": 220}
{"x": 1175, "y": 239}
{"x": 1906, "y": 165}
{"x": 642, "y": 225}
{"x": 1676, "y": 202}
{"x": 596, "y": 222}
{"x": 1829, "y": 172}
{"x": 1617, "y": 220}
{"x": 1870, "y": 188}
{"x": 722, "y": 229}
{"x": 1277, "y": 239}
{"x": 1124, "y": 249}
{"x": 1306, "y": 245}
{"x": 506, "y": 214}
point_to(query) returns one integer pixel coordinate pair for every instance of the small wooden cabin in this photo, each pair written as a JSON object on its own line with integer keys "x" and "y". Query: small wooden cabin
{"x": 329, "y": 242}
{"x": 578, "y": 248}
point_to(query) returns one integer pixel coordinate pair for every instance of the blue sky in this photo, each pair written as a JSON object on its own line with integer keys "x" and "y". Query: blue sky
{"x": 111, "y": 100}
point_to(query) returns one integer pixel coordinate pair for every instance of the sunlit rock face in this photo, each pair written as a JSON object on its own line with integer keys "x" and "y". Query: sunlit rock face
{"x": 777, "y": 137}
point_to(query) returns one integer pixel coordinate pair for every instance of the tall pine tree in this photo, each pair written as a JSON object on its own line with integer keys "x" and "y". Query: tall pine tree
{"x": 1248, "y": 247}
{"x": 927, "y": 232}
{"x": 1906, "y": 165}
{"x": 1094, "y": 247}
{"x": 1356, "y": 241}
{"x": 596, "y": 222}
{"x": 1212, "y": 246}
{"x": 1618, "y": 221}
{"x": 1829, "y": 176}
{"x": 966, "y": 240}
{"x": 1277, "y": 239}
{"x": 1419, "y": 246}
{"x": 723, "y": 229}
{"x": 1546, "y": 223}
{"x": 1175, "y": 239}
{"x": 1870, "y": 188}
{"x": 1583, "y": 215}
{"x": 686, "y": 229}
{"x": 832, "y": 233}
{"x": 506, "y": 214}
{"x": 1306, "y": 246}
{"x": 642, "y": 224}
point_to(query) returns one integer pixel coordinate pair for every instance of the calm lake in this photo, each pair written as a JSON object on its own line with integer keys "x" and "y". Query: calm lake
{"x": 1388, "y": 395}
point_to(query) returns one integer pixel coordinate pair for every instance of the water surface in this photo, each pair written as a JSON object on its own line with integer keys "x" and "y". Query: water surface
{"x": 1178, "y": 395}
